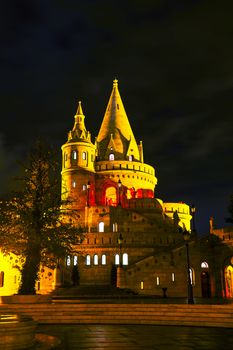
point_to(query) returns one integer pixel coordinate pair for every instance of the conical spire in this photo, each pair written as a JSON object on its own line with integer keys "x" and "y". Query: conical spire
{"x": 79, "y": 131}
{"x": 116, "y": 123}
{"x": 79, "y": 118}
{"x": 79, "y": 109}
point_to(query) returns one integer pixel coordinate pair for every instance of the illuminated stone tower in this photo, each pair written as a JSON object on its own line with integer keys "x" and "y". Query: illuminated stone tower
{"x": 91, "y": 174}
{"x": 78, "y": 159}
{"x": 111, "y": 171}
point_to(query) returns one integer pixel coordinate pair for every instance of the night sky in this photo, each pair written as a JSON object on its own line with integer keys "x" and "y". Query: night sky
{"x": 174, "y": 63}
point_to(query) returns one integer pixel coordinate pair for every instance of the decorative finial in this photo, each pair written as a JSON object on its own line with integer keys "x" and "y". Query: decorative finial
{"x": 115, "y": 82}
{"x": 79, "y": 110}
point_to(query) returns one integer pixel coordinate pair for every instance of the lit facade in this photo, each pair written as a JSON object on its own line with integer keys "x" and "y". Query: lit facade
{"x": 131, "y": 238}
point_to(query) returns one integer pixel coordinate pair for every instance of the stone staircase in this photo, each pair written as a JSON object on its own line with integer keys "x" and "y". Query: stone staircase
{"x": 99, "y": 291}
{"x": 131, "y": 312}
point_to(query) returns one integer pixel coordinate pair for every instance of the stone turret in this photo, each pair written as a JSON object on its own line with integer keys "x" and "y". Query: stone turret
{"x": 79, "y": 131}
{"x": 78, "y": 159}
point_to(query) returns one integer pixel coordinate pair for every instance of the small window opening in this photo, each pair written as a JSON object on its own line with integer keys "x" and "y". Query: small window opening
{"x": 68, "y": 260}
{"x": 101, "y": 226}
{"x": 74, "y": 155}
{"x": 88, "y": 260}
{"x": 103, "y": 259}
{"x": 96, "y": 260}
{"x": 125, "y": 259}
{"x": 1, "y": 278}
{"x": 173, "y": 277}
{"x": 117, "y": 259}
{"x": 75, "y": 260}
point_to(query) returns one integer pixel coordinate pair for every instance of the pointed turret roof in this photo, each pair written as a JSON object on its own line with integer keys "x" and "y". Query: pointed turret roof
{"x": 116, "y": 130}
{"x": 79, "y": 131}
{"x": 79, "y": 109}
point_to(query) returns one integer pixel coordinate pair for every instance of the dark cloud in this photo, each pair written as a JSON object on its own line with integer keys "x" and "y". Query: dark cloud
{"x": 173, "y": 60}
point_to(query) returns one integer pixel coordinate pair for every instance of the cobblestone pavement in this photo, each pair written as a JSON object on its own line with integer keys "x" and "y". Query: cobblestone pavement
{"x": 135, "y": 337}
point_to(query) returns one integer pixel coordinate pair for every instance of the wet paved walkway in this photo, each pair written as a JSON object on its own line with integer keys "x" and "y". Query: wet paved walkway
{"x": 135, "y": 337}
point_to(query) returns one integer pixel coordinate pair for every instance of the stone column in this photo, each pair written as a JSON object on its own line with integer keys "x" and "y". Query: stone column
{"x": 120, "y": 277}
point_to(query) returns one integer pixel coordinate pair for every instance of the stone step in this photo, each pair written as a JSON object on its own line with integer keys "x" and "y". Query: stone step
{"x": 130, "y": 308}
{"x": 197, "y": 315}
{"x": 124, "y": 307}
{"x": 94, "y": 291}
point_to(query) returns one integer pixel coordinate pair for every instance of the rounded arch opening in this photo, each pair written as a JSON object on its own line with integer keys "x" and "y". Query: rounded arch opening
{"x": 229, "y": 281}
{"x": 111, "y": 196}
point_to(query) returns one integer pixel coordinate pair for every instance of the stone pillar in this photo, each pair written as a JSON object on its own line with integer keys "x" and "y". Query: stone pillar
{"x": 120, "y": 277}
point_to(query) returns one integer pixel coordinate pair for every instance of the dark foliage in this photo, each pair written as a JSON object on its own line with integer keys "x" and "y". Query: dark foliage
{"x": 35, "y": 223}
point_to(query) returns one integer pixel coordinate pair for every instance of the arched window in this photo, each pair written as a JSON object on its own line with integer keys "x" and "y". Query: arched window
{"x": 73, "y": 183}
{"x": 114, "y": 227}
{"x": 96, "y": 259}
{"x": 229, "y": 281}
{"x": 204, "y": 265}
{"x": 103, "y": 259}
{"x": 101, "y": 226}
{"x": 74, "y": 155}
{"x": 125, "y": 259}
{"x": 84, "y": 155}
{"x": 75, "y": 260}
{"x": 68, "y": 260}
{"x": 1, "y": 279}
{"x": 117, "y": 259}
{"x": 111, "y": 196}
{"x": 111, "y": 156}
{"x": 88, "y": 260}
{"x": 130, "y": 158}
